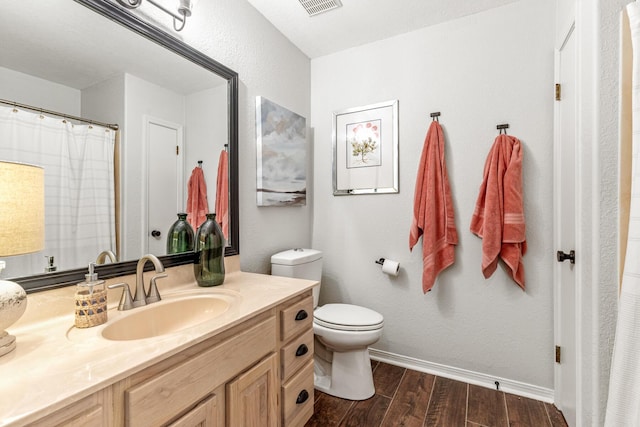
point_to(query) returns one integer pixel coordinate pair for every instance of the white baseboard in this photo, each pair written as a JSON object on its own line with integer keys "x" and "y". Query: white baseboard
{"x": 471, "y": 377}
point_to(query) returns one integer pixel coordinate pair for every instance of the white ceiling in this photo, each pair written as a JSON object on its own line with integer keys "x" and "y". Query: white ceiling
{"x": 65, "y": 42}
{"x": 362, "y": 21}
{"x": 34, "y": 41}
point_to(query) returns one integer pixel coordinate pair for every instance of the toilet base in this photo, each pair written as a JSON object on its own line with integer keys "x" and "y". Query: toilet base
{"x": 348, "y": 376}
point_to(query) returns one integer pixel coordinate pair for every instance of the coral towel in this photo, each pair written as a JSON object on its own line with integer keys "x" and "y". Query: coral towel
{"x": 433, "y": 210}
{"x": 197, "y": 205}
{"x": 222, "y": 194}
{"x": 498, "y": 218}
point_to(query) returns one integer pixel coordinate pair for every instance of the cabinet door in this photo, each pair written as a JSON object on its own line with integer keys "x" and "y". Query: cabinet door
{"x": 207, "y": 414}
{"x": 252, "y": 397}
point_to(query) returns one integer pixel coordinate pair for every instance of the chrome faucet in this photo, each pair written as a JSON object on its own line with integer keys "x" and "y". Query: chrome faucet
{"x": 104, "y": 255}
{"x": 140, "y": 297}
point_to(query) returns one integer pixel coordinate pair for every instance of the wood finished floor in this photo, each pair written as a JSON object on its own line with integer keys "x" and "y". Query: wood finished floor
{"x": 415, "y": 399}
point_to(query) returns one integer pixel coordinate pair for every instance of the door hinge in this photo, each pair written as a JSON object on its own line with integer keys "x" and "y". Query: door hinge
{"x": 177, "y": 150}
{"x": 558, "y": 354}
{"x": 558, "y": 91}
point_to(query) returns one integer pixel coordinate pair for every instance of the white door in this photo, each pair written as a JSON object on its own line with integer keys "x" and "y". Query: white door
{"x": 566, "y": 380}
{"x": 165, "y": 181}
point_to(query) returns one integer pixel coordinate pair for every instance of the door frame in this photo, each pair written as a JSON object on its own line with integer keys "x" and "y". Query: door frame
{"x": 596, "y": 245}
{"x": 557, "y": 268}
{"x": 147, "y": 121}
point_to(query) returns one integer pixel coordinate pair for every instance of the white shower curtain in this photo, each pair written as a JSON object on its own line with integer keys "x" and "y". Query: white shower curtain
{"x": 78, "y": 164}
{"x": 623, "y": 405}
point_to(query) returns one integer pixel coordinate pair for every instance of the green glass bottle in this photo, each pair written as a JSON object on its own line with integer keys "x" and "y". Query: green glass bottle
{"x": 181, "y": 237}
{"x": 209, "y": 268}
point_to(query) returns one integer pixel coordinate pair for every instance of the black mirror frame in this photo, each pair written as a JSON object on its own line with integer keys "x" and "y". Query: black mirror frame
{"x": 113, "y": 12}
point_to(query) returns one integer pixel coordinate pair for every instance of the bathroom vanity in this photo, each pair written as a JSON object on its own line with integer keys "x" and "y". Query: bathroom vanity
{"x": 251, "y": 364}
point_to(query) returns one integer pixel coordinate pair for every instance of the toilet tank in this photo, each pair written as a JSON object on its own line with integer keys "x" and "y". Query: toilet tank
{"x": 301, "y": 264}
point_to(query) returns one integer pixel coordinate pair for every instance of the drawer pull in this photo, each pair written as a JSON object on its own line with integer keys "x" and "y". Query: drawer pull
{"x": 302, "y": 350}
{"x": 302, "y": 397}
{"x": 302, "y": 314}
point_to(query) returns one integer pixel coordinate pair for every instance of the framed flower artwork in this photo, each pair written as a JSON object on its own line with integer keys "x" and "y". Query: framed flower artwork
{"x": 365, "y": 149}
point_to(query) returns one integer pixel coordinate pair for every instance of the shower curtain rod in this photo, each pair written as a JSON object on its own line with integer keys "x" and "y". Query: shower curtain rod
{"x": 55, "y": 113}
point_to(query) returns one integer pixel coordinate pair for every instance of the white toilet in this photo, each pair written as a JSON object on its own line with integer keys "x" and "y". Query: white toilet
{"x": 343, "y": 332}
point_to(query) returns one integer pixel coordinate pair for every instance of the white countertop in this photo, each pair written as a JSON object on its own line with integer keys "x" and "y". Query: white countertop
{"x": 54, "y": 366}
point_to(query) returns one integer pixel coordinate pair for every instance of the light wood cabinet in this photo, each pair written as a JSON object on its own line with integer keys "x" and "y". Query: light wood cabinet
{"x": 257, "y": 373}
{"x": 92, "y": 411}
{"x": 296, "y": 360}
{"x": 162, "y": 393}
{"x": 252, "y": 397}
{"x": 208, "y": 413}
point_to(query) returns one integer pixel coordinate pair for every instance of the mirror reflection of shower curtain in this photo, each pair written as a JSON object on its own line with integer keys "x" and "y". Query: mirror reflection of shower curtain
{"x": 78, "y": 162}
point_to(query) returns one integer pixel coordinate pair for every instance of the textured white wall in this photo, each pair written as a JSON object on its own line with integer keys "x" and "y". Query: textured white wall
{"x": 205, "y": 135}
{"x": 105, "y": 101}
{"x": 485, "y": 69}
{"x": 604, "y": 282}
{"x": 238, "y": 36}
{"x": 141, "y": 98}
{"x": 30, "y": 90}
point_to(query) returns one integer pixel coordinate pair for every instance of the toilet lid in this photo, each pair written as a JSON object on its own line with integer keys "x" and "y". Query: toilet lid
{"x": 347, "y": 317}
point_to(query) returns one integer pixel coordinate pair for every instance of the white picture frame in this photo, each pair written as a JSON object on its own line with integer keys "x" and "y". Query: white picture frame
{"x": 365, "y": 149}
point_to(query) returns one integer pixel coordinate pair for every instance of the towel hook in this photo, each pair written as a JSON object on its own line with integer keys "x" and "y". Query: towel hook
{"x": 434, "y": 116}
{"x": 199, "y": 163}
{"x": 503, "y": 127}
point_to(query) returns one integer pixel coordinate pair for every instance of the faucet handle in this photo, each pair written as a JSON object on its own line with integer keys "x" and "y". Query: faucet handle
{"x": 126, "y": 302}
{"x": 154, "y": 295}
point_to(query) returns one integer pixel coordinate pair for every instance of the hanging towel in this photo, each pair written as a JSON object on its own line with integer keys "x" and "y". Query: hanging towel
{"x": 222, "y": 194}
{"x": 433, "y": 210}
{"x": 197, "y": 205}
{"x": 498, "y": 218}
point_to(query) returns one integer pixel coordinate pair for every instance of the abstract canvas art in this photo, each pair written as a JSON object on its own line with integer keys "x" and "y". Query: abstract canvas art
{"x": 282, "y": 155}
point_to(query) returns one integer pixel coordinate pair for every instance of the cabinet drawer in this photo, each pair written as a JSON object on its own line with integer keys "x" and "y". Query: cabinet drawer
{"x": 161, "y": 398}
{"x": 297, "y": 397}
{"x": 296, "y": 318}
{"x": 92, "y": 411}
{"x": 296, "y": 354}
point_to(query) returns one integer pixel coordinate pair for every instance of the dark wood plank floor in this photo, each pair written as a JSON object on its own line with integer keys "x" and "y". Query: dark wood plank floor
{"x": 415, "y": 399}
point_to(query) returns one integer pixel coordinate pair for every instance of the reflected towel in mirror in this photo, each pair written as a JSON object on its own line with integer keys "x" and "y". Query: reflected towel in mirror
{"x": 197, "y": 204}
{"x": 222, "y": 194}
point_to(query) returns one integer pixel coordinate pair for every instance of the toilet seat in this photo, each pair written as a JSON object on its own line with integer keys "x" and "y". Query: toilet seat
{"x": 348, "y": 317}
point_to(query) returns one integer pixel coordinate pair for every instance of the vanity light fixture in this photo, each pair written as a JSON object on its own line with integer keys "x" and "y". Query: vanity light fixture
{"x": 184, "y": 10}
{"x": 21, "y": 232}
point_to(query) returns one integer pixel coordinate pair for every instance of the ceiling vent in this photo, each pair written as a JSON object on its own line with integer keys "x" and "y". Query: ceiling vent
{"x": 314, "y": 7}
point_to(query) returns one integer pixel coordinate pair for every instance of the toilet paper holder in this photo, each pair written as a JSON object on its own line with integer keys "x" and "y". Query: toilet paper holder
{"x": 392, "y": 268}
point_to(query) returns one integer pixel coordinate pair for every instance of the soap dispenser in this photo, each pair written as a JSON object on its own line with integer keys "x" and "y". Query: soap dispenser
{"x": 91, "y": 300}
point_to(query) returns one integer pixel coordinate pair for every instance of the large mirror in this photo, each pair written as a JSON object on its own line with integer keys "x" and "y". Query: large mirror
{"x": 91, "y": 59}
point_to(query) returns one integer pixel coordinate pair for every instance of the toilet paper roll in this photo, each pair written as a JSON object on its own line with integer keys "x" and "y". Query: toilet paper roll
{"x": 391, "y": 267}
